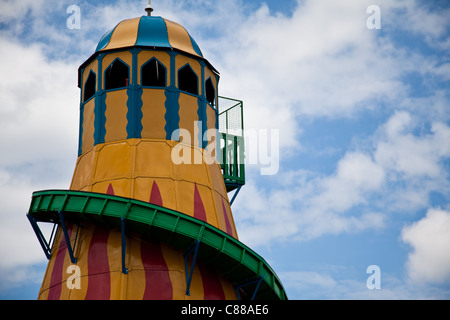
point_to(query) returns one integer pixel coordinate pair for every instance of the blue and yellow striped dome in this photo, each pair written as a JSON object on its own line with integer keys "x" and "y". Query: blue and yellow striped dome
{"x": 149, "y": 32}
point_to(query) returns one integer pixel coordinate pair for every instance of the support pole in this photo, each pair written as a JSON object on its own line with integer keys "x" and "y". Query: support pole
{"x": 124, "y": 246}
{"x": 192, "y": 249}
{"x": 235, "y": 195}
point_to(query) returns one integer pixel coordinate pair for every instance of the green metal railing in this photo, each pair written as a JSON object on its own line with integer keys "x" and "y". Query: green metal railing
{"x": 230, "y": 257}
{"x": 232, "y": 145}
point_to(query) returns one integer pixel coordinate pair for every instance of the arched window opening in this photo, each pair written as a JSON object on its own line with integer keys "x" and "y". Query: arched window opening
{"x": 210, "y": 92}
{"x": 153, "y": 74}
{"x": 89, "y": 86}
{"x": 116, "y": 75}
{"x": 188, "y": 80}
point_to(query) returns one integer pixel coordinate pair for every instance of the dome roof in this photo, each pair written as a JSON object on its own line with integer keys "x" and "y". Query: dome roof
{"x": 149, "y": 31}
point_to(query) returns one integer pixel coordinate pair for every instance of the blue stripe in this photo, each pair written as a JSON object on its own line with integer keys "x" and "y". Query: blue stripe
{"x": 134, "y": 114}
{"x": 153, "y": 32}
{"x": 100, "y": 119}
{"x": 201, "y": 112}
{"x": 80, "y": 137}
{"x": 172, "y": 104}
{"x": 134, "y": 102}
{"x": 195, "y": 46}
{"x": 104, "y": 40}
{"x": 172, "y": 112}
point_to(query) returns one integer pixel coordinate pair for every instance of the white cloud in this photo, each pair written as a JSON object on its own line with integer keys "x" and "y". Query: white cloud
{"x": 38, "y": 137}
{"x": 339, "y": 282}
{"x": 308, "y": 279}
{"x": 39, "y": 113}
{"x": 310, "y": 206}
{"x": 412, "y": 155}
{"x": 430, "y": 240}
{"x": 322, "y": 60}
{"x": 396, "y": 176}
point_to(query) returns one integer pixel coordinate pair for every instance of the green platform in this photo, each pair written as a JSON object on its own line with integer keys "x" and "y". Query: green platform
{"x": 230, "y": 257}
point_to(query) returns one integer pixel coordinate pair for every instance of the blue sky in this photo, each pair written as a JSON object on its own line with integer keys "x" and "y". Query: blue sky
{"x": 362, "y": 117}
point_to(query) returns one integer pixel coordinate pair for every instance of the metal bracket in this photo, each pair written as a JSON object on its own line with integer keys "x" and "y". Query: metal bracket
{"x": 235, "y": 195}
{"x": 46, "y": 246}
{"x": 257, "y": 280}
{"x": 191, "y": 249}
{"x": 124, "y": 246}
{"x": 66, "y": 237}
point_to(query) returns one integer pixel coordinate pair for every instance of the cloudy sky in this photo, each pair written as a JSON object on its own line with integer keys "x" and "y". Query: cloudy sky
{"x": 358, "y": 118}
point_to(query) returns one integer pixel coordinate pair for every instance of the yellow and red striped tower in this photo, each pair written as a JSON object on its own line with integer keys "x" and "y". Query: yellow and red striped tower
{"x": 147, "y": 215}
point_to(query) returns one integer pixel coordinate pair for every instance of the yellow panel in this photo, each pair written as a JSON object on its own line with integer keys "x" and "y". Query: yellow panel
{"x": 185, "y": 196}
{"x": 114, "y": 161}
{"x": 194, "y": 172}
{"x": 230, "y": 218}
{"x": 181, "y": 61}
{"x": 143, "y": 187}
{"x": 135, "y": 284}
{"x": 175, "y": 263}
{"x": 121, "y": 187}
{"x": 179, "y": 37}
{"x": 221, "y": 220}
{"x": 178, "y": 279}
{"x": 116, "y": 115}
{"x": 153, "y": 114}
{"x": 162, "y": 57}
{"x": 88, "y": 126}
{"x": 189, "y": 117}
{"x": 153, "y": 159}
{"x": 216, "y": 178}
{"x": 114, "y": 251}
{"x": 210, "y": 208}
{"x": 136, "y": 274}
{"x": 124, "y": 35}
{"x": 125, "y": 56}
{"x": 83, "y": 171}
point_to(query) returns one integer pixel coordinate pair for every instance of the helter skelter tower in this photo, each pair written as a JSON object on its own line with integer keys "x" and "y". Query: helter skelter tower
{"x": 147, "y": 215}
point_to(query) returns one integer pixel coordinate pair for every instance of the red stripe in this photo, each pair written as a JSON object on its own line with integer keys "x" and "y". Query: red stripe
{"x": 54, "y": 292}
{"x": 227, "y": 222}
{"x": 99, "y": 281}
{"x": 155, "y": 195}
{"x": 199, "y": 209}
{"x": 212, "y": 286}
{"x": 157, "y": 281}
{"x": 110, "y": 190}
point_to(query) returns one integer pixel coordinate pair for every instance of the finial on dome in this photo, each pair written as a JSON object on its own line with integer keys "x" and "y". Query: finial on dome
{"x": 149, "y": 8}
